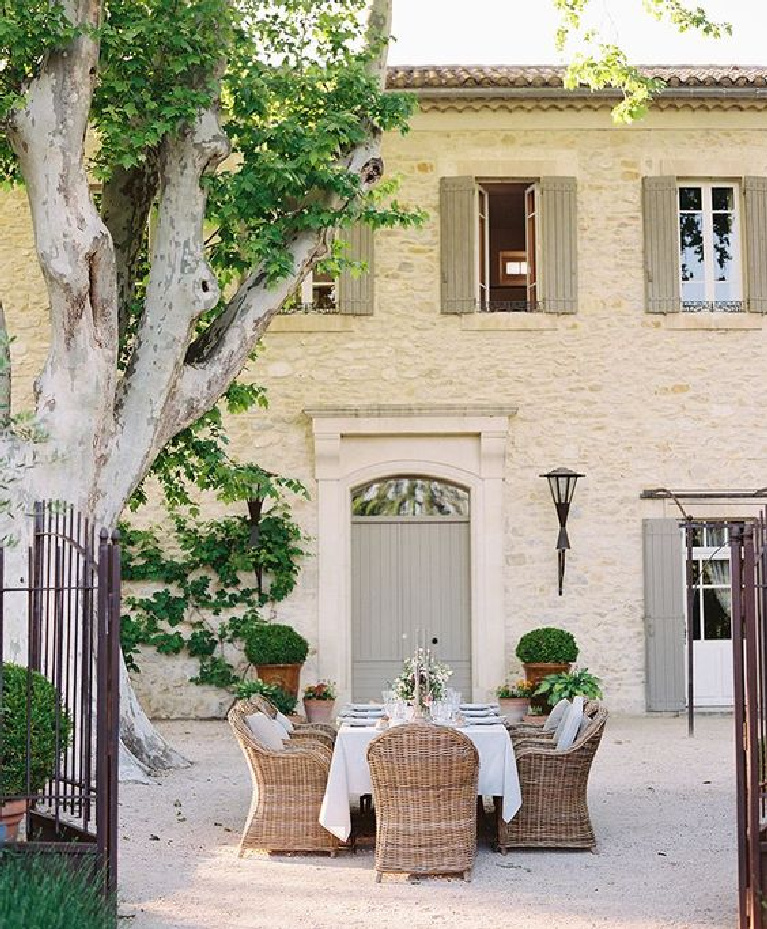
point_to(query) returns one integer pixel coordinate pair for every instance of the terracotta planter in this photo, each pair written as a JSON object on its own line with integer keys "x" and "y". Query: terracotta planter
{"x": 11, "y": 815}
{"x": 286, "y": 676}
{"x": 535, "y": 673}
{"x": 319, "y": 711}
{"x": 514, "y": 708}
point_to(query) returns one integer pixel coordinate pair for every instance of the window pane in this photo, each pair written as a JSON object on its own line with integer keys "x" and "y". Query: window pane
{"x": 716, "y": 535}
{"x": 690, "y": 198}
{"x": 410, "y": 496}
{"x": 716, "y": 571}
{"x": 691, "y": 247}
{"x": 723, "y": 198}
{"x": 717, "y": 614}
{"x": 723, "y": 246}
{"x": 696, "y": 617}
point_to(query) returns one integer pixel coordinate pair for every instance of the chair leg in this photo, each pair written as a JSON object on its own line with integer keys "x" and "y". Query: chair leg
{"x": 467, "y": 876}
{"x": 378, "y": 877}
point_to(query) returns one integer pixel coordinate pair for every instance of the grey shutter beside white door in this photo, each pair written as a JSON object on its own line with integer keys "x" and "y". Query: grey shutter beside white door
{"x": 355, "y": 292}
{"x": 755, "y": 234}
{"x": 660, "y": 220}
{"x": 458, "y": 244}
{"x": 558, "y": 233}
{"x": 663, "y": 560}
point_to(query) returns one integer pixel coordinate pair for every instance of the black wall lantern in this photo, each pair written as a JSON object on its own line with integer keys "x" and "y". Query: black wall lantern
{"x": 562, "y": 483}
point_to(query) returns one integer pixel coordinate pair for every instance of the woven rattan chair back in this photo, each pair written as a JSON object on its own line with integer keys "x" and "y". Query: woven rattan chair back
{"x": 288, "y": 787}
{"x": 425, "y": 795}
{"x": 554, "y": 811}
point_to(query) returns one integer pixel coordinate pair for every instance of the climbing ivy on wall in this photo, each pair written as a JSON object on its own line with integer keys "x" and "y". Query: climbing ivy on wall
{"x": 218, "y": 574}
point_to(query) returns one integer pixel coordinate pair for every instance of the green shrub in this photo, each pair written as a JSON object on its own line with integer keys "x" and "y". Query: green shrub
{"x": 13, "y": 732}
{"x": 50, "y": 893}
{"x": 285, "y": 702}
{"x": 565, "y": 686}
{"x": 547, "y": 643}
{"x": 272, "y": 643}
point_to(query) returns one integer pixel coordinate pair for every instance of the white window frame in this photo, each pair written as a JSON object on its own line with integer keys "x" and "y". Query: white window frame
{"x": 707, "y": 210}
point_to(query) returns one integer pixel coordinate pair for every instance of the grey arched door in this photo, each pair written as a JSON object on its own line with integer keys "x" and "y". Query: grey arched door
{"x": 410, "y": 567}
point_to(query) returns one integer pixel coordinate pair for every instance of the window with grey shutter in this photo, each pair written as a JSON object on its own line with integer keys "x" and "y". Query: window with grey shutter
{"x": 755, "y": 217}
{"x": 458, "y": 244}
{"x": 355, "y": 290}
{"x": 660, "y": 216}
{"x": 663, "y": 561}
{"x": 558, "y": 234}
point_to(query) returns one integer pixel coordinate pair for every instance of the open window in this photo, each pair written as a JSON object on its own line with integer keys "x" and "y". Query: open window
{"x": 508, "y": 245}
{"x": 507, "y": 242}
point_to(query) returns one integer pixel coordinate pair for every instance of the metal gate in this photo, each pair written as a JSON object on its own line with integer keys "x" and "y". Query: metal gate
{"x": 72, "y": 607}
{"x": 749, "y": 615}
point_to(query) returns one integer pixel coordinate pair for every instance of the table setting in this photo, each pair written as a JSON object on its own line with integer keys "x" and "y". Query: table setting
{"x": 421, "y": 695}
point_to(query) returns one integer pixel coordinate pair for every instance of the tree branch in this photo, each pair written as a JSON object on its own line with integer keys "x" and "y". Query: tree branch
{"x": 47, "y": 133}
{"x": 181, "y": 286}
{"x": 218, "y": 356}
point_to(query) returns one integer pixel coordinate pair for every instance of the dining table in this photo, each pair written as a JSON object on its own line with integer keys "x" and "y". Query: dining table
{"x": 349, "y": 774}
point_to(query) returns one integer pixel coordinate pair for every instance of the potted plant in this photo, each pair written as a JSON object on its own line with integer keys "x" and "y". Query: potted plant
{"x": 277, "y": 652}
{"x": 514, "y": 699}
{"x": 565, "y": 686}
{"x": 319, "y": 702}
{"x": 543, "y": 651}
{"x": 284, "y": 702}
{"x": 41, "y": 761}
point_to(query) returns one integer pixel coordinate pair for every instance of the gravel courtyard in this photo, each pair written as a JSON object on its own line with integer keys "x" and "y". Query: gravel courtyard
{"x": 663, "y": 808}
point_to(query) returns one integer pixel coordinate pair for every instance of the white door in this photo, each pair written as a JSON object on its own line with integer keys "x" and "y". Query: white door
{"x": 712, "y": 618}
{"x": 410, "y": 572}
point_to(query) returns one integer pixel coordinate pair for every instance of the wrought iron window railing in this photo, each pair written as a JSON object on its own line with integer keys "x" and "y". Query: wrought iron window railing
{"x": 508, "y": 306}
{"x": 321, "y": 307}
{"x": 712, "y": 306}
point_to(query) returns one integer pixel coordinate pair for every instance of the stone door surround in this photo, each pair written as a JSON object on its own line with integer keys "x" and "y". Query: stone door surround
{"x": 462, "y": 443}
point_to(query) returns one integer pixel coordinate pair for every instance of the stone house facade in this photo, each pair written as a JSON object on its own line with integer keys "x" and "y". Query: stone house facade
{"x": 581, "y": 295}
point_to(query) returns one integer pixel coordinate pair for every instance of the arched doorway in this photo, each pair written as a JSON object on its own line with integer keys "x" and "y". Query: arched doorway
{"x": 410, "y": 571}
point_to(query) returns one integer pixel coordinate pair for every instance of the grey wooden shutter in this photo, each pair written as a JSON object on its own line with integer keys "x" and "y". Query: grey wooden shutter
{"x": 663, "y": 551}
{"x": 755, "y": 223}
{"x": 558, "y": 234}
{"x": 458, "y": 244}
{"x": 660, "y": 217}
{"x": 355, "y": 292}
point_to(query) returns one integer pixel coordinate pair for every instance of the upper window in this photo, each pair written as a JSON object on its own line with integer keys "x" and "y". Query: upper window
{"x": 709, "y": 247}
{"x": 319, "y": 291}
{"x": 508, "y": 245}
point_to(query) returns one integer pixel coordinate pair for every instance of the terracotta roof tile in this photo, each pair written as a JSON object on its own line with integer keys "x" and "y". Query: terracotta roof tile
{"x": 464, "y": 78}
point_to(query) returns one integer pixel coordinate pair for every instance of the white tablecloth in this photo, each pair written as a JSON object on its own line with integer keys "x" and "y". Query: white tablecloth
{"x": 350, "y": 775}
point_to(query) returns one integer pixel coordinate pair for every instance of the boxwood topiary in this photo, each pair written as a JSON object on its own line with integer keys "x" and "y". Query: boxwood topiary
{"x": 272, "y": 643}
{"x": 13, "y": 731}
{"x": 547, "y": 644}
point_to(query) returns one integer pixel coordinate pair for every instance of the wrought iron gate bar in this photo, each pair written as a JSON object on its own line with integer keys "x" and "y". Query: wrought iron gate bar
{"x": 73, "y": 614}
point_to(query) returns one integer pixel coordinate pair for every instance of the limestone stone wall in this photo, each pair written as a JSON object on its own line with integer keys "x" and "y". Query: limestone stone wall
{"x": 633, "y": 400}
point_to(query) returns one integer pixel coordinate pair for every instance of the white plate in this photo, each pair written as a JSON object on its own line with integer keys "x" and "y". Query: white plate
{"x": 485, "y": 721}
{"x": 359, "y": 723}
{"x": 477, "y": 707}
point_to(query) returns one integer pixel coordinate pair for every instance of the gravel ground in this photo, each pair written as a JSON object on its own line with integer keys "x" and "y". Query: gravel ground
{"x": 663, "y": 808}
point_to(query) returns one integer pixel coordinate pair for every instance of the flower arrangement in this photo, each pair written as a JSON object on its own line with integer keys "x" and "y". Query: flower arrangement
{"x": 520, "y": 688}
{"x": 432, "y": 678}
{"x": 322, "y": 690}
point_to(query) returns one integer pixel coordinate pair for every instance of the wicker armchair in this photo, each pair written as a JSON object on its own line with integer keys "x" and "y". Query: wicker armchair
{"x": 425, "y": 793}
{"x": 554, "y": 811}
{"x": 523, "y": 734}
{"x": 318, "y": 731}
{"x": 288, "y": 787}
